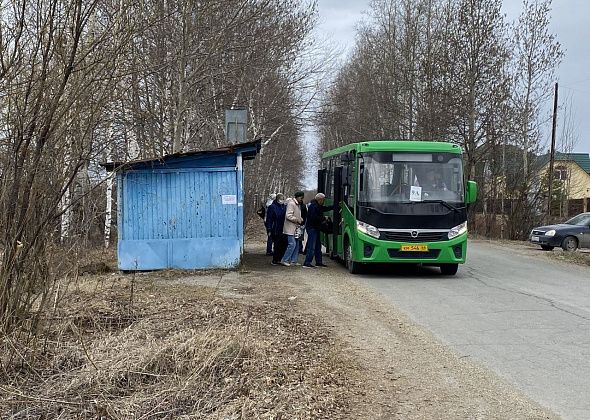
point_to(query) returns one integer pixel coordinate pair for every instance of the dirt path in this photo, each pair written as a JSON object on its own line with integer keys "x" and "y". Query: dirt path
{"x": 404, "y": 372}
{"x": 258, "y": 342}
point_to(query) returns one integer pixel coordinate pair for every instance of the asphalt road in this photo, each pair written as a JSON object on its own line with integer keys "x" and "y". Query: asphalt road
{"x": 521, "y": 315}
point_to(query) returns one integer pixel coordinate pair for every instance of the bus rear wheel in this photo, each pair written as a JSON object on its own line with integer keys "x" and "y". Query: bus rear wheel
{"x": 449, "y": 269}
{"x": 353, "y": 266}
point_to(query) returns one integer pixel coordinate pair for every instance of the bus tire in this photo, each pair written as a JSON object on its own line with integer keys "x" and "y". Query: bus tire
{"x": 353, "y": 266}
{"x": 449, "y": 269}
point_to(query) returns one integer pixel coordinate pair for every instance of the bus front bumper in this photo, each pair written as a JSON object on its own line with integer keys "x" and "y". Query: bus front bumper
{"x": 371, "y": 250}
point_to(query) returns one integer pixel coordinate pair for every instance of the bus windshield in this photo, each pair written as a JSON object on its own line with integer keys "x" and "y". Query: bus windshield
{"x": 388, "y": 177}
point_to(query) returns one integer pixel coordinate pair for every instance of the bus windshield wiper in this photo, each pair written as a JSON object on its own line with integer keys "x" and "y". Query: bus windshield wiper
{"x": 443, "y": 202}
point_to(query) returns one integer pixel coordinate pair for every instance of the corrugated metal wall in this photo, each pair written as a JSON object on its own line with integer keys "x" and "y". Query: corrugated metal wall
{"x": 183, "y": 218}
{"x": 178, "y": 205}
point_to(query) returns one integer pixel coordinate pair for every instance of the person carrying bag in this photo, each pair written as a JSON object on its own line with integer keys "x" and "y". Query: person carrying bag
{"x": 315, "y": 220}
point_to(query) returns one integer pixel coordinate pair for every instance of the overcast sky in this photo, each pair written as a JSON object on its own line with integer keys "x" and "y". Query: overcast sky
{"x": 570, "y": 23}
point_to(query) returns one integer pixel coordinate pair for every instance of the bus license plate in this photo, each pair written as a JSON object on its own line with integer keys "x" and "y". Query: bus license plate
{"x": 414, "y": 248}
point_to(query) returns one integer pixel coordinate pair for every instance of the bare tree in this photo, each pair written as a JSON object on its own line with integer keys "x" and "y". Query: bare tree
{"x": 477, "y": 58}
{"x": 224, "y": 53}
{"x": 536, "y": 55}
{"x": 453, "y": 70}
{"x": 568, "y": 139}
{"x": 56, "y": 76}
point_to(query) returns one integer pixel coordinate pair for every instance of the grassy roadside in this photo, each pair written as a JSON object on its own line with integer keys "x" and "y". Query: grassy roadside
{"x": 125, "y": 347}
{"x": 579, "y": 257}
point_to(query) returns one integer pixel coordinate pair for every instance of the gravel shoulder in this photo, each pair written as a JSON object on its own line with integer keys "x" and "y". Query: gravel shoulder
{"x": 403, "y": 371}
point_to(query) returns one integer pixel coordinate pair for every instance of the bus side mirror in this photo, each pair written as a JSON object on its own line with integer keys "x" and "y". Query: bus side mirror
{"x": 471, "y": 192}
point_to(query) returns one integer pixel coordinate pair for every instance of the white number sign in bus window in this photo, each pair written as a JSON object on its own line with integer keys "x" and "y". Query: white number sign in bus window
{"x": 415, "y": 193}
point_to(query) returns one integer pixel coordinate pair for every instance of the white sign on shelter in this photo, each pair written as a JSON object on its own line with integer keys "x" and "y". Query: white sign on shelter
{"x": 229, "y": 199}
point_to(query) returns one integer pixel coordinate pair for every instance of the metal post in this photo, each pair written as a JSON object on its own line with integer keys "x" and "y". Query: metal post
{"x": 552, "y": 154}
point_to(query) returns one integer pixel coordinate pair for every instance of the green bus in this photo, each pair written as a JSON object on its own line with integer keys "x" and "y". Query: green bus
{"x": 400, "y": 202}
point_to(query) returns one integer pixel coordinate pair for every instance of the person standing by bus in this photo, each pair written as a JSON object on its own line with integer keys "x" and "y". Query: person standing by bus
{"x": 269, "y": 244}
{"x": 303, "y": 208}
{"x": 292, "y": 228}
{"x": 275, "y": 220}
{"x": 315, "y": 218}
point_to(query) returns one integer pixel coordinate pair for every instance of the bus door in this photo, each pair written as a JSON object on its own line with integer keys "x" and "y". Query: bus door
{"x": 322, "y": 188}
{"x": 336, "y": 216}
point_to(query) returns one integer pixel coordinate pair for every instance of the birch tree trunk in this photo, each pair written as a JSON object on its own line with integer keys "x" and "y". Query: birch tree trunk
{"x": 109, "y": 208}
{"x": 108, "y": 217}
{"x": 66, "y": 216}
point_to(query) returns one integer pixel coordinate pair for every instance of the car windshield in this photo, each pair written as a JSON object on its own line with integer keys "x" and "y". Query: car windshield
{"x": 387, "y": 177}
{"x": 580, "y": 220}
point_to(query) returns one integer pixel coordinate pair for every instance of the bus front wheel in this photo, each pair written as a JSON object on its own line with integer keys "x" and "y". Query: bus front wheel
{"x": 353, "y": 266}
{"x": 449, "y": 269}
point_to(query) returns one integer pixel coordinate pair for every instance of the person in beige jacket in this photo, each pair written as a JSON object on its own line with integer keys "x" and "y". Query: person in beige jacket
{"x": 293, "y": 221}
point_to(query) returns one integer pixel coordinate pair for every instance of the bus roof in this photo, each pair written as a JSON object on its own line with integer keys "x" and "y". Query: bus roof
{"x": 396, "y": 146}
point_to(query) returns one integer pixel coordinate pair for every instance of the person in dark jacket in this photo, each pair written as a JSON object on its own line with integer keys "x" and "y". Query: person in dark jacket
{"x": 315, "y": 217}
{"x": 275, "y": 220}
{"x": 269, "y": 244}
{"x": 304, "y": 216}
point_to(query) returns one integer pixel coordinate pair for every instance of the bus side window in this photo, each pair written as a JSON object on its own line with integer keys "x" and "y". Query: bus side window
{"x": 361, "y": 175}
{"x": 331, "y": 179}
{"x": 324, "y": 176}
{"x": 329, "y": 186}
{"x": 456, "y": 179}
{"x": 347, "y": 182}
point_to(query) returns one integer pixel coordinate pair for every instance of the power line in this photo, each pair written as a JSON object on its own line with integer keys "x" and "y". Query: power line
{"x": 575, "y": 90}
{"x": 579, "y": 81}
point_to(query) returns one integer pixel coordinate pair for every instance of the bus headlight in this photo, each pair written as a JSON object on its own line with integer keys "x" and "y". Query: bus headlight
{"x": 368, "y": 229}
{"x": 458, "y": 230}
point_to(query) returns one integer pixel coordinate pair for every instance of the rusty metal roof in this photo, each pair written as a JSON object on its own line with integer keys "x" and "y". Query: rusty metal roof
{"x": 248, "y": 151}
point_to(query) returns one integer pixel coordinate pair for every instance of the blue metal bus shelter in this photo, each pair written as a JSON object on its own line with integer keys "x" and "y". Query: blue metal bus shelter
{"x": 182, "y": 211}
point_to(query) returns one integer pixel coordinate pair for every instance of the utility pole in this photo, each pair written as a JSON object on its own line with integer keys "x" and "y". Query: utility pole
{"x": 552, "y": 154}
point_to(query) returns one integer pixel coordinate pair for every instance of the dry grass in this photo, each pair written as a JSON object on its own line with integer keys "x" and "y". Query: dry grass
{"x": 126, "y": 348}
{"x": 580, "y": 257}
